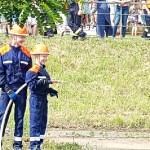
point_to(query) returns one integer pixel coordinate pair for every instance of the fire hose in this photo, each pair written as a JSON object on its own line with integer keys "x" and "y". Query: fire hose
{"x": 10, "y": 103}
{"x": 5, "y": 114}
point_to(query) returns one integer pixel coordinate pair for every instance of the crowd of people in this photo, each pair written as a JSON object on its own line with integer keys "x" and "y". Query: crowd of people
{"x": 106, "y": 16}
{"x": 109, "y": 16}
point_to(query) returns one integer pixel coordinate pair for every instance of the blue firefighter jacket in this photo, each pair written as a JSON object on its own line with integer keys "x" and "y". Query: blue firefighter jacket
{"x": 35, "y": 74}
{"x": 14, "y": 63}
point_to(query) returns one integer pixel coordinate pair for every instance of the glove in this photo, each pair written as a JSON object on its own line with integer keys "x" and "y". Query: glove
{"x": 12, "y": 94}
{"x": 42, "y": 82}
{"x": 53, "y": 92}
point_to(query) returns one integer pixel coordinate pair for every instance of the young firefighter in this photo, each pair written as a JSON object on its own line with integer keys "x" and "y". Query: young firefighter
{"x": 15, "y": 61}
{"x": 38, "y": 81}
{"x": 74, "y": 20}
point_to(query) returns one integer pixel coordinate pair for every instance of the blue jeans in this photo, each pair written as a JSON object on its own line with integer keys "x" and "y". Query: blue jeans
{"x": 147, "y": 20}
{"x": 121, "y": 12}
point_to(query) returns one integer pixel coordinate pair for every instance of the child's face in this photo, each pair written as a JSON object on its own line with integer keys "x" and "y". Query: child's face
{"x": 19, "y": 40}
{"x": 42, "y": 59}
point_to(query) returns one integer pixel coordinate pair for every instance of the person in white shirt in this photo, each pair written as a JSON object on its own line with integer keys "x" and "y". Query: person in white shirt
{"x": 32, "y": 25}
{"x": 111, "y": 7}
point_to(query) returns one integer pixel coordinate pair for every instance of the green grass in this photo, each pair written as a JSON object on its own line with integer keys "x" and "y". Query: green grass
{"x": 106, "y": 83}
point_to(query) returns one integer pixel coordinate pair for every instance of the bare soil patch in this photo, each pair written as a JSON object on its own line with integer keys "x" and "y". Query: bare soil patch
{"x": 103, "y": 140}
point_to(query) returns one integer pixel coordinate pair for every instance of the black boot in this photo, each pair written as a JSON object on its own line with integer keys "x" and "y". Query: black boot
{"x": 82, "y": 35}
{"x": 144, "y": 35}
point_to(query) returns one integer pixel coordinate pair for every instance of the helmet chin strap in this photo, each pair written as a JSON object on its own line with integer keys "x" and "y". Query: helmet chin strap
{"x": 37, "y": 61}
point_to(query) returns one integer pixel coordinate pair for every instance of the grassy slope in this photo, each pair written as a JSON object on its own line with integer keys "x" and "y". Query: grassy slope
{"x": 106, "y": 83}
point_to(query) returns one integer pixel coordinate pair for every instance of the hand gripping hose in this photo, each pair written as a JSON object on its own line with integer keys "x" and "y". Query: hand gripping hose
{"x": 5, "y": 114}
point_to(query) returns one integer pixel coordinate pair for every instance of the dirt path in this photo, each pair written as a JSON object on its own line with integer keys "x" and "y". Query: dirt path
{"x": 99, "y": 140}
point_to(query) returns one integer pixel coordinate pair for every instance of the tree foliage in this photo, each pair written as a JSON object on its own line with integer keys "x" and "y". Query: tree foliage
{"x": 46, "y": 11}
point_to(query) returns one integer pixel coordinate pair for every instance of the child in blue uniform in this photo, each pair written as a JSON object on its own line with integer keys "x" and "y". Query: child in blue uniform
{"x": 38, "y": 81}
{"x": 15, "y": 61}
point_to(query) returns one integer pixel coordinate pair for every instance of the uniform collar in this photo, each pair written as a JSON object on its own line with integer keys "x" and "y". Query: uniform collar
{"x": 15, "y": 48}
{"x": 43, "y": 66}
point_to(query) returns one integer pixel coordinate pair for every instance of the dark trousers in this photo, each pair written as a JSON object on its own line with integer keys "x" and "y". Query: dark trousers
{"x": 20, "y": 106}
{"x": 147, "y": 20}
{"x": 38, "y": 120}
{"x": 74, "y": 22}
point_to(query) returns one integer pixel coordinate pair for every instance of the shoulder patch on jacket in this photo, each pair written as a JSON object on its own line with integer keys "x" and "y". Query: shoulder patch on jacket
{"x": 4, "y": 49}
{"x": 26, "y": 51}
{"x": 35, "y": 68}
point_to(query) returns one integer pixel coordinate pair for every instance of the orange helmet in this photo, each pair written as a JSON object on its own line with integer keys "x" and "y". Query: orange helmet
{"x": 40, "y": 49}
{"x": 17, "y": 30}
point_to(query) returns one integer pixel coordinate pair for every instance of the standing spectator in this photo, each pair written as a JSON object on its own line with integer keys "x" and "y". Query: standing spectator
{"x": 103, "y": 19}
{"x": 111, "y": 7}
{"x": 134, "y": 12}
{"x": 32, "y": 25}
{"x": 93, "y": 18}
{"x": 142, "y": 13}
{"x": 15, "y": 60}
{"x": 122, "y": 12}
{"x": 4, "y": 25}
{"x": 38, "y": 81}
{"x": 146, "y": 9}
{"x": 86, "y": 13}
{"x": 74, "y": 20}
